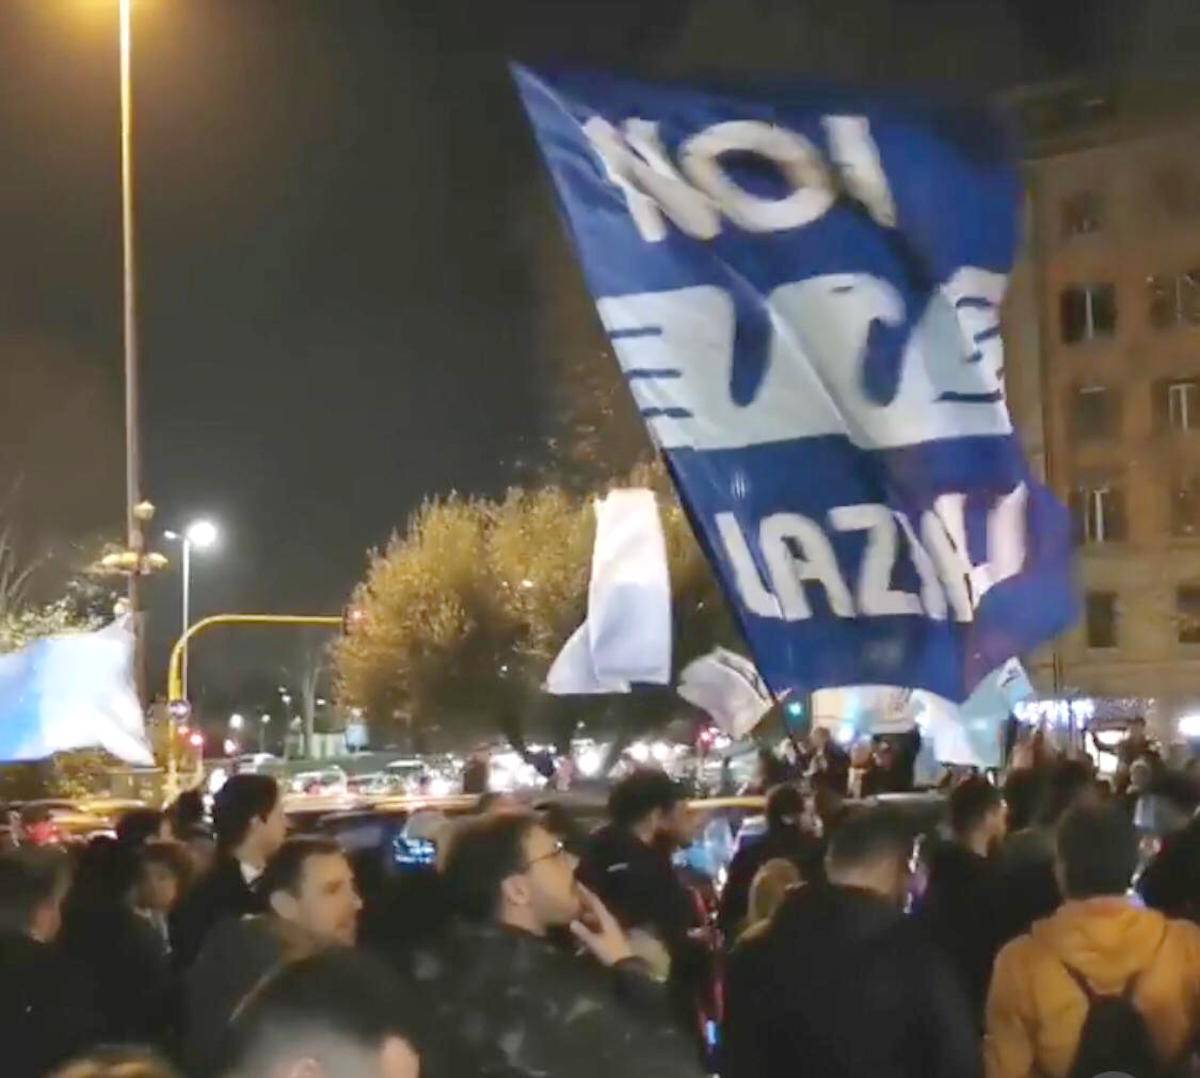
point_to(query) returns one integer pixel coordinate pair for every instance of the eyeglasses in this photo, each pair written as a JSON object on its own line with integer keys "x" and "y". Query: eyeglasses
{"x": 559, "y": 850}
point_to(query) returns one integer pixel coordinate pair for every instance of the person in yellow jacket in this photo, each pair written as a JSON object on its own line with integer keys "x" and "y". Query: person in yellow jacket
{"x": 1036, "y": 1010}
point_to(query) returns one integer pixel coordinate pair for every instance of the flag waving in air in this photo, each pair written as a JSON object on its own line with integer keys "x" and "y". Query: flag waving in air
{"x": 803, "y": 290}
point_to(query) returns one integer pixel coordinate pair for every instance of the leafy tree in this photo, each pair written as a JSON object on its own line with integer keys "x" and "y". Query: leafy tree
{"x": 462, "y": 615}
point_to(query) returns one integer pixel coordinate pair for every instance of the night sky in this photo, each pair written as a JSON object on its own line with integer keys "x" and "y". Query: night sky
{"x": 339, "y": 301}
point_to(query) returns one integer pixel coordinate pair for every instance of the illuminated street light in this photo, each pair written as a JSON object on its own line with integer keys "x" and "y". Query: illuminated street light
{"x": 236, "y": 722}
{"x": 199, "y": 535}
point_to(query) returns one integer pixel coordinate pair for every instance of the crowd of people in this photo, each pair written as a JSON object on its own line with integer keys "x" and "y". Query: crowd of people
{"x": 1030, "y": 930}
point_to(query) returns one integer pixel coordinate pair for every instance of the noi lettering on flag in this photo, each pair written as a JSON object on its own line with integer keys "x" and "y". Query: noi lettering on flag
{"x": 803, "y": 288}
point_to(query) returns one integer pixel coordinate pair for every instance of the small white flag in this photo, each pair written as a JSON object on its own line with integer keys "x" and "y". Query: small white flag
{"x": 626, "y": 635}
{"x": 729, "y": 688}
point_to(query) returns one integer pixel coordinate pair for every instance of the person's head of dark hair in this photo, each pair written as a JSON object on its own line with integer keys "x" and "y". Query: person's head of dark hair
{"x": 1068, "y": 783}
{"x": 867, "y": 836}
{"x": 561, "y": 824}
{"x": 187, "y": 811}
{"x": 30, "y": 877}
{"x": 242, "y": 799}
{"x": 285, "y": 870}
{"x": 638, "y": 795}
{"x": 1097, "y": 851}
{"x": 785, "y": 806}
{"x": 139, "y": 825}
{"x": 971, "y": 802}
{"x": 341, "y": 1009}
{"x": 117, "y": 1062}
{"x": 106, "y": 872}
{"x": 483, "y": 852}
{"x": 1024, "y": 791}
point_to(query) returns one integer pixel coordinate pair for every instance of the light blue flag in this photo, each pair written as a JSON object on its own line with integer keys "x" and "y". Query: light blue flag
{"x": 72, "y": 692}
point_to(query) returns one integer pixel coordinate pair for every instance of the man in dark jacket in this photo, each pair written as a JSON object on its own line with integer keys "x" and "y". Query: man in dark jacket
{"x": 627, "y": 864}
{"x": 506, "y": 1001}
{"x": 312, "y": 903}
{"x": 47, "y": 1011}
{"x": 250, "y": 825}
{"x": 960, "y": 905}
{"x": 843, "y": 985}
{"x": 785, "y": 838}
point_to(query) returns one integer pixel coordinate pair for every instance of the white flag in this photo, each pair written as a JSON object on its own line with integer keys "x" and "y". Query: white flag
{"x": 729, "y": 688}
{"x": 72, "y": 692}
{"x": 626, "y": 636}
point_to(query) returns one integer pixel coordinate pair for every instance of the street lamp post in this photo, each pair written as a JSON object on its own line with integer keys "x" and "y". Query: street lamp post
{"x": 200, "y": 534}
{"x": 135, "y": 512}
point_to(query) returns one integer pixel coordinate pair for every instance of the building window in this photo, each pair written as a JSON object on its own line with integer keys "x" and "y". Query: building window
{"x": 1088, "y": 311}
{"x": 1178, "y": 191}
{"x": 1099, "y": 513}
{"x": 1095, "y": 412}
{"x": 1187, "y": 610}
{"x": 1183, "y": 405}
{"x": 1185, "y": 509}
{"x": 1101, "y": 617}
{"x": 1081, "y": 214}
{"x": 1174, "y": 299}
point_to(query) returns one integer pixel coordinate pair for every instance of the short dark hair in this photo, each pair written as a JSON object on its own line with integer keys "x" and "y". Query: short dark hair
{"x": 484, "y": 851}
{"x": 971, "y": 802}
{"x": 868, "y": 834}
{"x": 29, "y": 877}
{"x": 637, "y": 795}
{"x": 139, "y": 825}
{"x": 238, "y": 802}
{"x": 285, "y": 870}
{"x": 1024, "y": 791}
{"x": 319, "y": 1007}
{"x": 783, "y": 803}
{"x": 187, "y": 811}
{"x": 1097, "y": 851}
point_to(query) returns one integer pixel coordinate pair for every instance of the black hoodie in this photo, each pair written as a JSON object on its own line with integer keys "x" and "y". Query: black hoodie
{"x": 842, "y": 985}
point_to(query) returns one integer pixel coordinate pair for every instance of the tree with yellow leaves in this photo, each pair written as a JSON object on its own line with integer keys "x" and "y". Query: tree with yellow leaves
{"x": 461, "y": 616}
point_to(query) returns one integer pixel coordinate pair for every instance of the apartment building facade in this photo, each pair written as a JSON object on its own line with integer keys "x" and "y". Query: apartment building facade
{"x": 1103, "y": 330}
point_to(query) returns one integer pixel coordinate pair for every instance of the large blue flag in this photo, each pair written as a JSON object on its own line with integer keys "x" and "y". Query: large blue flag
{"x": 803, "y": 289}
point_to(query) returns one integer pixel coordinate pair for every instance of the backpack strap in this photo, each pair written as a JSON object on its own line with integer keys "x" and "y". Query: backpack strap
{"x": 1084, "y": 985}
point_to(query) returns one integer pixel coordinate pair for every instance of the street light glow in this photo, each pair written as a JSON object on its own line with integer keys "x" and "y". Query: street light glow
{"x": 236, "y": 722}
{"x": 202, "y": 534}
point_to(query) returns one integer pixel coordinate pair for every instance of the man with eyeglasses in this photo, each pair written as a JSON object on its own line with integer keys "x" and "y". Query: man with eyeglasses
{"x": 535, "y": 976}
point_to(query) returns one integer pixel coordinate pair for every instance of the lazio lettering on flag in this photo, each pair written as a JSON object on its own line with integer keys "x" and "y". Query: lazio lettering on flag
{"x": 803, "y": 290}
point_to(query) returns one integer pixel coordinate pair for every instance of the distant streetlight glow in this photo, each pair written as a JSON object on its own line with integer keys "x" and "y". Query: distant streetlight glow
{"x": 236, "y": 722}
{"x": 197, "y": 741}
{"x": 202, "y": 534}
